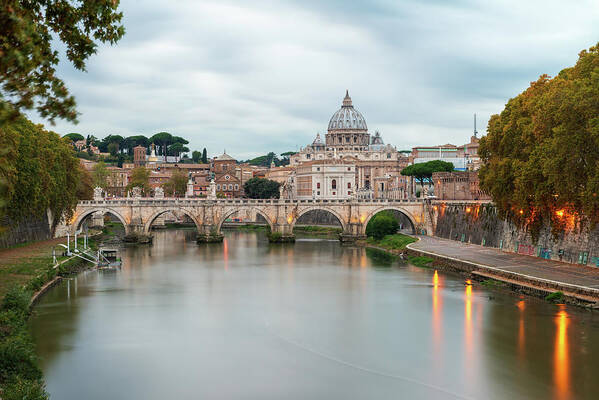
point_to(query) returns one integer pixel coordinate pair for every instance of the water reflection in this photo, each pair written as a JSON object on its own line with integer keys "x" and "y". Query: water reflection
{"x": 309, "y": 320}
{"x": 562, "y": 360}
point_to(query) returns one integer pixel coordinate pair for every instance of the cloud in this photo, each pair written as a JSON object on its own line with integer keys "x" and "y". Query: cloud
{"x": 262, "y": 76}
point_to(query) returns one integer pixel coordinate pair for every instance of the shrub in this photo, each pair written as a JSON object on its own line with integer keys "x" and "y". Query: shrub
{"x": 17, "y": 300}
{"x": 381, "y": 225}
{"x": 556, "y": 297}
{"x": 17, "y": 358}
{"x": 25, "y": 389}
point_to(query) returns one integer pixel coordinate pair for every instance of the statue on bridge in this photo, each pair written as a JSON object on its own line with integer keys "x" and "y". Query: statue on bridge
{"x": 212, "y": 194}
{"x": 159, "y": 193}
{"x": 98, "y": 193}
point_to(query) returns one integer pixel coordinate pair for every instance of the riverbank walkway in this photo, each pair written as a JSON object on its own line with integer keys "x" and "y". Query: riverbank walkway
{"x": 496, "y": 261}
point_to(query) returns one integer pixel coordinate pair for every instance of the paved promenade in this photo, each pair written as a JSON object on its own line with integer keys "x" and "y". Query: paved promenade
{"x": 527, "y": 266}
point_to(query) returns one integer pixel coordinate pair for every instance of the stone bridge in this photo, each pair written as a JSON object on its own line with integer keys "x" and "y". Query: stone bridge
{"x": 138, "y": 214}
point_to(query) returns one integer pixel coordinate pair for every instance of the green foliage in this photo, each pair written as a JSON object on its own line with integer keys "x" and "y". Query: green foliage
{"x": 100, "y": 175}
{"x": 420, "y": 261}
{"x": 133, "y": 141}
{"x": 25, "y": 389}
{"x": 392, "y": 242}
{"x": 204, "y": 156}
{"x": 40, "y": 172}
{"x": 541, "y": 154}
{"x": 196, "y": 156}
{"x": 176, "y": 149}
{"x": 260, "y": 188}
{"x": 74, "y": 137}
{"x": 163, "y": 140}
{"x": 555, "y": 297}
{"x": 113, "y": 149}
{"x": 176, "y": 184}
{"x": 424, "y": 171}
{"x": 28, "y": 31}
{"x": 267, "y": 160}
{"x": 140, "y": 177}
{"x": 16, "y": 300}
{"x": 382, "y": 224}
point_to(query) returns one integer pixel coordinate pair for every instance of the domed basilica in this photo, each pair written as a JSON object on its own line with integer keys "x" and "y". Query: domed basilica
{"x": 347, "y": 142}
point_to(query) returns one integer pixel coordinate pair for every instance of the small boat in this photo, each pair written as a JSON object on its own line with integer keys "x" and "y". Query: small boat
{"x": 109, "y": 259}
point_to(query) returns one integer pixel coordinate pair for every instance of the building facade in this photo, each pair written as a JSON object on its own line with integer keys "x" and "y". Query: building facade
{"x": 376, "y": 165}
{"x": 325, "y": 179}
{"x": 458, "y": 185}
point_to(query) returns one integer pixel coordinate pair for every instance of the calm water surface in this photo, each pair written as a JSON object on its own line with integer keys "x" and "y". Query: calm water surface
{"x": 314, "y": 320}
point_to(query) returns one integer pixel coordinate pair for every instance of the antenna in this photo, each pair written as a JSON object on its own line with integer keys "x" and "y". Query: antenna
{"x": 475, "y": 132}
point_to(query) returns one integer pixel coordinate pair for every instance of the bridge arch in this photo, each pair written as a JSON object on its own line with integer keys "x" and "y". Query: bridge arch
{"x": 406, "y": 213}
{"x": 228, "y": 213}
{"x": 306, "y": 210}
{"x": 150, "y": 220}
{"x": 81, "y": 217}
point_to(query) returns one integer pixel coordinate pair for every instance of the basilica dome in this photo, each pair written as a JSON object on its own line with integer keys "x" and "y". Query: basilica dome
{"x": 347, "y": 118}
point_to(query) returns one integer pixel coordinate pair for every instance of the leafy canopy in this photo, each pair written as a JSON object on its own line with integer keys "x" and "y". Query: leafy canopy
{"x": 176, "y": 185}
{"x": 424, "y": 171}
{"x": 140, "y": 177}
{"x": 541, "y": 154}
{"x": 381, "y": 225}
{"x": 261, "y": 188}
{"x": 28, "y": 59}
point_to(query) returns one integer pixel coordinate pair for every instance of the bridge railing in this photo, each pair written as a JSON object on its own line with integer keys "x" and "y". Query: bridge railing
{"x": 150, "y": 201}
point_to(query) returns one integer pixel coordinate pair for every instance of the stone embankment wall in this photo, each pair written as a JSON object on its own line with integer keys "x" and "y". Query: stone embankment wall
{"x": 480, "y": 224}
{"x": 28, "y": 230}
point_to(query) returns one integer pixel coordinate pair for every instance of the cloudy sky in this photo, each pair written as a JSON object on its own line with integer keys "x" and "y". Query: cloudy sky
{"x": 258, "y": 76}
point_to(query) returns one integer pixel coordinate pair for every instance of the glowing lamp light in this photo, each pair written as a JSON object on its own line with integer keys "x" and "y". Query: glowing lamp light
{"x": 559, "y": 213}
{"x": 362, "y": 218}
{"x": 290, "y": 219}
{"x": 435, "y": 208}
{"x": 468, "y": 209}
{"x": 521, "y": 212}
{"x": 468, "y": 282}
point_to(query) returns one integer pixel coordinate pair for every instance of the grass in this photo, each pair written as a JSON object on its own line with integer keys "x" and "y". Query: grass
{"x": 555, "y": 297}
{"x": 318, "y": 230}
{"x": 421, "y": 262}
{"x": 492, "y": 283}
{"x": 392, "y": 242}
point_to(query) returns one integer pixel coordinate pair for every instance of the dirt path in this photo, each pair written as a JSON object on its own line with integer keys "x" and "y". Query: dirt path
{"x": 31, "y": 250}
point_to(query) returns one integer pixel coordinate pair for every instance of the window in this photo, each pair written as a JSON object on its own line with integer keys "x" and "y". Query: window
{"x": 218, "y": 186}
{"x": 236, "y": 187}
{"x": 227, "y": 177}
{"x": 230, "y": 186}
{"x": 334, "y": 193}
{"x": 334, "y": 184}
{"x": 349, "y": 185}
{"x": 317, "y": 185}
{"x": 318, "y": 168}
{"x": 347, "y": 139}
{"x": 349, "y": 192}
{"x": 308, "y": 156}
{"x": 318, "y": 193}
{"x": 388, "y": 155}
{"x": 349, "y": 168}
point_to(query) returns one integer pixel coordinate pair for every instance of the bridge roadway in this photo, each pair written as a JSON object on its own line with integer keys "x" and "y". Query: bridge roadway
{"x": 138, "y": 214}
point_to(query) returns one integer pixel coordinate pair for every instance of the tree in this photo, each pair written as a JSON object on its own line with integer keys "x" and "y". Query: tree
{"x": 133, "y": 141}
{"x": 541, "y": 154}
{"x": 163, "y": 140}
{"x": 424, "y": 171}
{"x": 140, "y": 177}
{"x": 74, "y": 136}
{"x": 85, "y": 188}
{"x": 204, "y": 156}
{"x": 39, "y": 173}
{"x": 91, "y": 140}
{"x": 196, "y": 156}
{"x": 113, "y": 149}
{"x": 381, "y": 225}
{"x": 28, "y": 31}
{"x": 176, "y": 149}
{"x": 288, "y": 154}
{"x": 100, "y": 175}
{"x": 260, "y": 188}
{"x": 176, "y": 185}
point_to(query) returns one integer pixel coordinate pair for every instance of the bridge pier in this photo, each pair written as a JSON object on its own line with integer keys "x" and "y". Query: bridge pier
{"x": 353, "y": 231}
{"x": 137, "y": 234}
{"x": 281, "y": 233}
{"x": 209, "y": 234}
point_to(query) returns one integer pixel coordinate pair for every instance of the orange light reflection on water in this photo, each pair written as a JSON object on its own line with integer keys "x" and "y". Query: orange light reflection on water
{"x": 437, "y": 318}
{"x": 521, "y": 334}
{"x": 468, "y": 344}
{"x": 561, "y": 358}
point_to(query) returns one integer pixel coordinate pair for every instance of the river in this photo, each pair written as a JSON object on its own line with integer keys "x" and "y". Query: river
{"x": 311, "y": 320}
